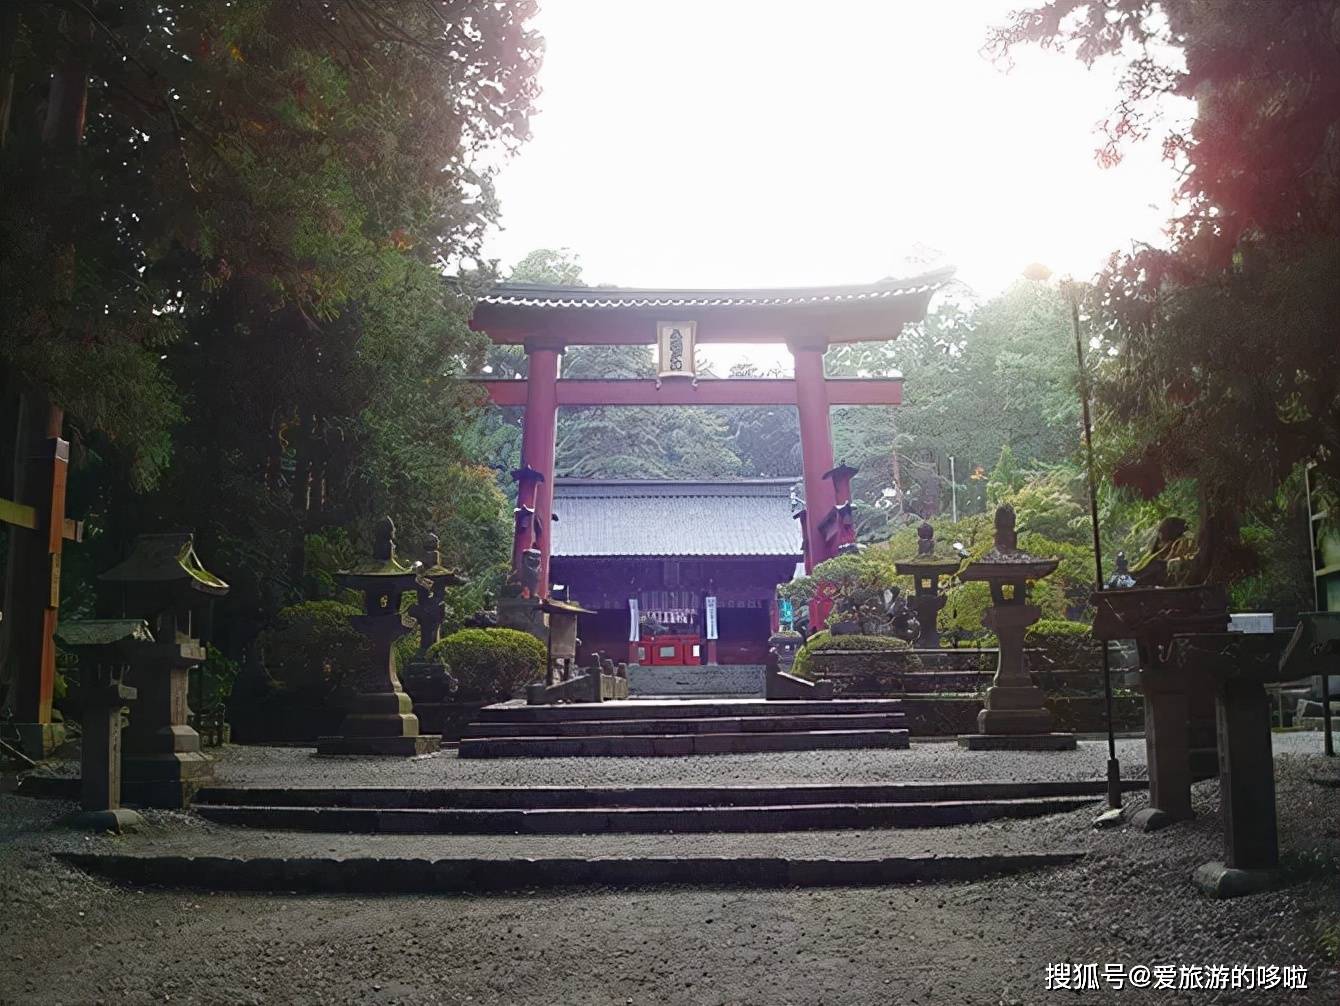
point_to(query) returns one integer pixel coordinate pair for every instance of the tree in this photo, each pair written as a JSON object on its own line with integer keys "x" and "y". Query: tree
{"x": 1225, "y": 368}
{"x": 252, "y": 313}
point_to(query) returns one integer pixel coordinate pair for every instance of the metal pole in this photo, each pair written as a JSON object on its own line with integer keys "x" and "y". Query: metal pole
{"x": 1328, "y": 741}
{"x": 953, "y": 491}
{"x": 1113, "y": 766}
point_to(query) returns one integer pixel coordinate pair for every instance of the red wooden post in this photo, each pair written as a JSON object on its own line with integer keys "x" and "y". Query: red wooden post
{"x": 816, "y": 445}
{"x": 538, "y": 432}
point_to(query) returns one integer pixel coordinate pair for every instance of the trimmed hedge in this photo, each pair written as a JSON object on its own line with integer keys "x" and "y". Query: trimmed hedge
{"x": 826, "y": 642}
{"x": 492, "y": 664}
{"x": 312, "y": 648}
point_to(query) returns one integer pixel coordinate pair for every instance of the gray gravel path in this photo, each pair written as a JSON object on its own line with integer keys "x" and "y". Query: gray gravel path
{"x": 924, "y": 761}
{"x": 68, "y": 938}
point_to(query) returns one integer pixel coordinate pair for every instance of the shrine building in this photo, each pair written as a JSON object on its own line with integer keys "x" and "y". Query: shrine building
{"x": 677, "y": 572}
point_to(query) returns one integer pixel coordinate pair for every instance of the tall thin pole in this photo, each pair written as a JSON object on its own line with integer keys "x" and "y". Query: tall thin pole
{"x": 953, "y": 491}
{"x": 1113, "y": 766}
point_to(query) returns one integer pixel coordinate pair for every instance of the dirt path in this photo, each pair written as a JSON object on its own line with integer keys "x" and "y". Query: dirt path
{"x": 66, "y": 938}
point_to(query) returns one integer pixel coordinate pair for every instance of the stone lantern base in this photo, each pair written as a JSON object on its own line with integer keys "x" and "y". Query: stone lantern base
{"x": 1015, "y": 717}
{"x": 382, "y": 724}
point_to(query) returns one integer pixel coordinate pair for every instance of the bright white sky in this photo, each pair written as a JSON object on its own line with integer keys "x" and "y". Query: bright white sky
{"x": 729, "y": 143}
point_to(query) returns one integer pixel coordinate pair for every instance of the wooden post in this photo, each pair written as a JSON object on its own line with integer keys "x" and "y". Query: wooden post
{"x": 33, "y": 594}
{"x": 538, "y": 432}
{"x": 816, "y": 444}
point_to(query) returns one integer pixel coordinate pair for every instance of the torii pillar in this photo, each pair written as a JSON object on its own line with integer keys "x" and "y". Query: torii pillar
{"x": 816, "y": 444}
{"x": 535, "y": 477}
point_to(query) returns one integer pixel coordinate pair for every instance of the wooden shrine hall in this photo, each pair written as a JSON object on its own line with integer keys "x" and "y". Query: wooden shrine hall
{"x": 676, "y": 572}
{"x": 546, "y": 319}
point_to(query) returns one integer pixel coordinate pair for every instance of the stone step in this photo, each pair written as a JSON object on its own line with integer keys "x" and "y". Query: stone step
{"x": 631, "y": 820}
{"x": 405, "y": 874}
{"x": 684, "y": 725}
{"x": 615, "y": 745}
{"x": 642, "y": 709}
{"x": 569, "y": 797}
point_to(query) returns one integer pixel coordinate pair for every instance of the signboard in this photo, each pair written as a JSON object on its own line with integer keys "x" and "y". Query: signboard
{"x": 634, "y": 623}
{"x": 711, "y": 604}
{"x": 675, "y": 348}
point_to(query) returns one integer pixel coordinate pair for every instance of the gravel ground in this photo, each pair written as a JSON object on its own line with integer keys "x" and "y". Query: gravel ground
{"x": 275, "y": 766}
{"x": 68, "y": 938}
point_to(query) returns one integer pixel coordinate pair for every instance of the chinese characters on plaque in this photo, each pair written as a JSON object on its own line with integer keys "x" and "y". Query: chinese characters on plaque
{"x": 675, "y": 349}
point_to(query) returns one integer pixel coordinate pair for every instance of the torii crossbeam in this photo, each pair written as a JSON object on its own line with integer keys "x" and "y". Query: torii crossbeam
{"x": 546, "y": 319}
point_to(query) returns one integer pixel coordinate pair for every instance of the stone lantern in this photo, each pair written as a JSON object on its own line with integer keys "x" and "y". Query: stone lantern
{"x": 380, "y": 718}
{"x": 427, "y": 680}
{"x": 163, "y": 582}
{"x": 1016, "y": 717}
{"x": 107, "y": 650}
{"x": 926, "y": 570}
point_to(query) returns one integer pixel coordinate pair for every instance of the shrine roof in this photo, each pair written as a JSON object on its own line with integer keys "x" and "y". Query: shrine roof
{"x": 540, "y": 295}
{"x": 661, "y": 518}
{"x": 611, "y": 315}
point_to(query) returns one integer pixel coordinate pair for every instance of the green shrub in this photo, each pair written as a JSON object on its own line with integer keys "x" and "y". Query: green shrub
{"x": 312, "y": 649}
{"x": 825, "y": 642}
{"x": 492, "y": 664}
{"x": 1064, "y": 644}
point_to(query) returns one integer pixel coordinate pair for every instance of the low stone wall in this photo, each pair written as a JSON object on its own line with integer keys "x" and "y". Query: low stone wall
{"x": 745, "y": 680}
{"x": 446, "y": 718}
{"x": 950, "y": 715}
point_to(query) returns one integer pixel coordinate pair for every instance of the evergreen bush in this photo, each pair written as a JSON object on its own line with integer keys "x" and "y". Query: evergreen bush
{"x": 824, "y": 642}
{"x": 492, "y": 664}
{"x": 312, "y": 649}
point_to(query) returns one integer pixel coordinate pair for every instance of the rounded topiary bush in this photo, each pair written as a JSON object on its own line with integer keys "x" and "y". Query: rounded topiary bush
{"x": 492, "y": 663}
{"x": 825, "y": 642}
{"x": 1064, "y": 644}
{"x": 312, "y": 649}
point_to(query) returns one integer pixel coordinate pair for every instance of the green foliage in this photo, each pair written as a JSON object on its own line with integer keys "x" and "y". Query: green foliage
{"x": 492, "y": 664}
{"x": 1048, "y": 627}
{"x": 312, "y": 648}
{"x": 1006, "y": 478}
{"x": 236, "y": 289}
{"x": 826, "y": 642}
{"x": 1220, "y": 362}
{"x": 213, "y": 681}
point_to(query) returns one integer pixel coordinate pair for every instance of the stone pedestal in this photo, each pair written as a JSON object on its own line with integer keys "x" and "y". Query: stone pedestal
{"x": 163, "y": 765}
{"x": 1241, "y": 665}
{"x": 106, "y": 648}
{"x": 380, "y": 717}
{"x": 1179, "y": 699}
{"x": 1015, "y": 717}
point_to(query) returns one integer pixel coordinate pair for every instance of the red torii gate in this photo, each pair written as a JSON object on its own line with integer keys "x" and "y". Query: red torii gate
{"x": 546, "y": 319}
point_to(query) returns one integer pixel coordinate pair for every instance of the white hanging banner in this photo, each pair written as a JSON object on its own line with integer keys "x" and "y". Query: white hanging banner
{"x": 711, "y": 603}
{"x": 634, "y": 628}
{"x": 675, "y": 345}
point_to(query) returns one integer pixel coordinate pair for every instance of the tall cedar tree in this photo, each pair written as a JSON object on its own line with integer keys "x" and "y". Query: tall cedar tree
{"x": 1227, "y": 365}
{"x": 236, "y": 289}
